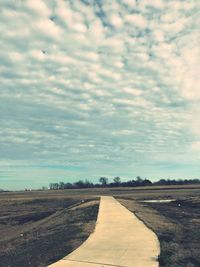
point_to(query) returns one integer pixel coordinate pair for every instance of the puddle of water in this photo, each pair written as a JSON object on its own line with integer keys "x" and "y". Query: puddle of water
{"x": 158, "y": 200}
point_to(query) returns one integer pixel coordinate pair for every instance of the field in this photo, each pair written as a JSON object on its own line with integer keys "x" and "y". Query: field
{"x": 40, "y": 227}
{"x": 176, "y": 223}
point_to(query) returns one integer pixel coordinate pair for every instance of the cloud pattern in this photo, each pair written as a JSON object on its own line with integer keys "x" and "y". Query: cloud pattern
{"x": 91, "y": 88}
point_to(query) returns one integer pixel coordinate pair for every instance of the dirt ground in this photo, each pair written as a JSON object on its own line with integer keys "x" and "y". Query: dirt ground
{"x": 40, "y": 231}
{"x": 40, "y": 227}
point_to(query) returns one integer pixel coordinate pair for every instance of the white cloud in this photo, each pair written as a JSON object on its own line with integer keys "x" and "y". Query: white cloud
{"x": 160, "y": 4}
{"x": 116, "y": 20}
{"x": 123, "y": 132}
{"x": 136, "y": 20}
{"x": 132, "y": 91}
{"x": 130, "y": 3}
{"x": 16, "y": 56}
{"x": 196, "y": 146}
{"x": 72, "y": 19}
{"x": 47, "y": 27}
{"x": 37, "y": 54}
{"x": 39, "y": 7}
{"x": 114, "y": 44}
{"x": 96, "y": 31}
{"x": 159, "y": 35}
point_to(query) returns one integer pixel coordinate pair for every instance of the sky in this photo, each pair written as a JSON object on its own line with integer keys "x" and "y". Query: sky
{"x": 98, "y": 88}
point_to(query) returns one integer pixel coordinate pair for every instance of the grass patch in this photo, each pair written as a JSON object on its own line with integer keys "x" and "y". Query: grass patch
{"x": 41, "y": 238}
{"x": 177, "y": 227}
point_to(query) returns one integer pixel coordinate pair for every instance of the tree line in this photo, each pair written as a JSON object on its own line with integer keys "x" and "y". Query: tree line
{"x": 104, "y": 182}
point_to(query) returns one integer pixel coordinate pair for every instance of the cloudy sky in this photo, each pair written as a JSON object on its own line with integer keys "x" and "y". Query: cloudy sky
{"x": 92, "y": 88}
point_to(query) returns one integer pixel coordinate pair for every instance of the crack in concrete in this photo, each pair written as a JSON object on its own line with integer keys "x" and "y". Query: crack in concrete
{"x": 97, "y": 263}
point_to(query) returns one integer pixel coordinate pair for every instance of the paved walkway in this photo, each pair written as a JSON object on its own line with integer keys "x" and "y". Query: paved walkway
{"x": 120, "y": 239}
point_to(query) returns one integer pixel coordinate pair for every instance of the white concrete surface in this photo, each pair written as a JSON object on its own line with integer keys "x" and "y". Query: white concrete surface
{"x": 120, "y": 239}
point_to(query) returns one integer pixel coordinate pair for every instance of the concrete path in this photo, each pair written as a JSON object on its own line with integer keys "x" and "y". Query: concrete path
{"x": 120, "y": 239}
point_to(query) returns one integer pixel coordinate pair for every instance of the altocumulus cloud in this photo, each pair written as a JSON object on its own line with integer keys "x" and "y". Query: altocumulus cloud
{"x": 91, "y": 88}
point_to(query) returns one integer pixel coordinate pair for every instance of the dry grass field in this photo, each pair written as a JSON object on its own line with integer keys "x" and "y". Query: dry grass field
{"x": 40, "y": 227}
{"x": 176, "y": 223}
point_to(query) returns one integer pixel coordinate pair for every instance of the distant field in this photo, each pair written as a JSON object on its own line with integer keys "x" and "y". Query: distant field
{"x": 40, "y": 227}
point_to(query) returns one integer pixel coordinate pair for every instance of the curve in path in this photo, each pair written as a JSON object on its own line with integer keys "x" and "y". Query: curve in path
{"x": 120, "y": 239}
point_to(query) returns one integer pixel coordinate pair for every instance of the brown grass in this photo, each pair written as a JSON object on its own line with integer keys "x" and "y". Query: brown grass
{"x": 177, "y": 225}
{"x": 38, "y": 232}
{"x": 40, "y": 227}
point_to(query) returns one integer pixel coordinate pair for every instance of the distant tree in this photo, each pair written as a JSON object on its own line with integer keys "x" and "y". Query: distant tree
{"x": 146, "y": 182}
{"x": 117, "y": 180}
{"x": 88, "y": 184}
{"x": 103, "y": 181}
{"x": 79, "y": 184}
{"x": 54, "y": 186}
{"x": 51, "y": 186}
{"x": 162, "y": 182}
{"x": 139, "y": 179}
{"x": 68, "y": 186}
{"x": 61, "y": 185}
